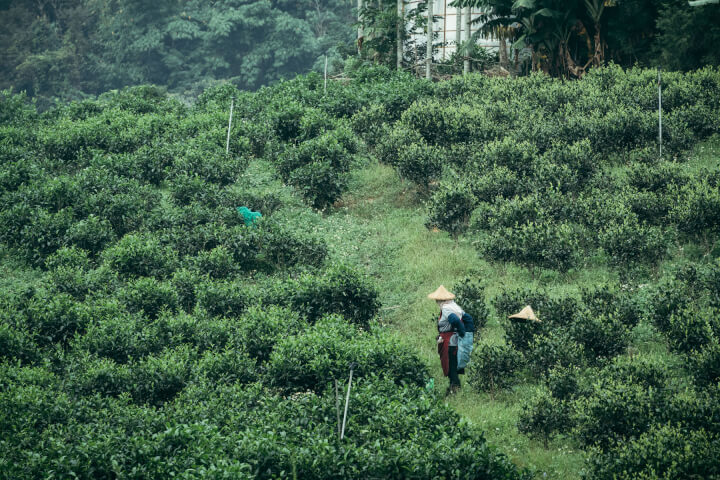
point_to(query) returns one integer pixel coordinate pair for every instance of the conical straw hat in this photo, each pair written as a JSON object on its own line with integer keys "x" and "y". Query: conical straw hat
{"x": 526, "y": 314}
{"x": 441, "y": 294}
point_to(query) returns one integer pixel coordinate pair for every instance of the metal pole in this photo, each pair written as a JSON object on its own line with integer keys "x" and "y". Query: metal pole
{"x": 325, "y": 86}
{"x": 227, "y": 143}
{"x": 660, "y": 110}
{"x": 347, "y": 401}
{"x": 428, "y": 54}
{"x": 468, "y": 32}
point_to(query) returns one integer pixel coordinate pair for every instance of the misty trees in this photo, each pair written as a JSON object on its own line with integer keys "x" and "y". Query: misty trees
{"x": 67, "y": 48}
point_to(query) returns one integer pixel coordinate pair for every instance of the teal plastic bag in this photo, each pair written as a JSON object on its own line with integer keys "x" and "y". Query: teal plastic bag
{"x": 249, "y": 216}
{"x": 430, "y": 385}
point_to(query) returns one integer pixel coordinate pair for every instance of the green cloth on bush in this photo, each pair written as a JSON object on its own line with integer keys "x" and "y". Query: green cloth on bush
{"x": 248, "y": 215}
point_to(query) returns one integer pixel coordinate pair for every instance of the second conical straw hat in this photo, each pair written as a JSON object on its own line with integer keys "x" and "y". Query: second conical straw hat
{"x": 441, "y": 294}
{"x": 526, "y": 314}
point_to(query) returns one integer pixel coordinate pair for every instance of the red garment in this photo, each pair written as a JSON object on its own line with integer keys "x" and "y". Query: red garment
{"x": 444, "y": 351}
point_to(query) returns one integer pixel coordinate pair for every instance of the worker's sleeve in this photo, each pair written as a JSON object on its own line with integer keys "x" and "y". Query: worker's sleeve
{"x": 468, "y": 322}
{"x": 457, "y": 324}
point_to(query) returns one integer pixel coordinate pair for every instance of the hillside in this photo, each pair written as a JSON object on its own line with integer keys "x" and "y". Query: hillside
{"x": 148, "y": 330}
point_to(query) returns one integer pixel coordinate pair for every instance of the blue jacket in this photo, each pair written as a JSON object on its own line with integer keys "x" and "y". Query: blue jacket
{"x": 467, "y": 324}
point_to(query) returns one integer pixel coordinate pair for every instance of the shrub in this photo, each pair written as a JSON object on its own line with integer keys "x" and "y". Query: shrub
{"x": 632, "y": 242}
{"x": 622, "y": 304}
{"x": 553, "y": 349}
{"x": 470, "y": 294}
{"x": 394, "y": 141}
{"x": 17, "y": 344}
{"x": 616, "y": 412}
{"x": 284, "y": 247}
{"x": 318, "y": 168}
{"x": 222, "y": 298}
{"x": 91, "y": 234}
{"x": 185, "y": 282}
{"x": 55, "y": 318}
{"x": 664, "y": 451}
{"x": 697, "y": 208}
{"x": 646, "y": 371}
{"x": 495, "y": 182}
{"x": 156, "y": 379}
{"x": 227, "y": 366}
{"x": 545, "y": 416}
{"x": 566, "y": 383}
{"x": 140, "y": 255}
{"x": 89, "y": 375}
{"x": 663, "y": 300}
{"x": 518, "y": 157}
{"x": 119, "y": 337}
{"x": 369, "y": 123}
{"x": 149, "y": 297}
{"x": 260, "y": 328}
{"x": 340, "y": 290}
{"x": 691, "y": 329}
{"x": 494, "y": 367}
{"x": 544, "y": 244}
{"x": 310, "y": 360}
{"x": 420, "y": 163}
{"x": 216, "y": 263}
{"x": 602, "y": 337}
{"x": 451, "y": 205}
{"x": 705, "y": 365}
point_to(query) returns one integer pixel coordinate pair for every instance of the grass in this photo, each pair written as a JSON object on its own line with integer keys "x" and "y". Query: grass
{"x": 380, "y": 225}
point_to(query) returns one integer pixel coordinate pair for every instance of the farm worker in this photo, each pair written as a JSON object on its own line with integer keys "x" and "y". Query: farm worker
{"x": 525, "y": 314}
{"x": 450, "y": 330}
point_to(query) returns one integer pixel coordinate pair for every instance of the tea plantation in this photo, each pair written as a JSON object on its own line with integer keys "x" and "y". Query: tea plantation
{"x": 147, "y": 332}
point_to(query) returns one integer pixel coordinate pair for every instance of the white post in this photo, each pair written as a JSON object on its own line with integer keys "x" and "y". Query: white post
{"x": 458, "y": 29}
{"x": 347, "y": 402}
{"x": 227, "y": 143}
{"x": 430, "y": 32}
{"x": 325, "y": 85}
{"x": 660, "y": 110}
{"x": 468, "y": 19}
{"x": 400, "y": 32}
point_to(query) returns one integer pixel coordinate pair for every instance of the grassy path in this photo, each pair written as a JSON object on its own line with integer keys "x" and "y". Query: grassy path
{"x": 380, "y": 225}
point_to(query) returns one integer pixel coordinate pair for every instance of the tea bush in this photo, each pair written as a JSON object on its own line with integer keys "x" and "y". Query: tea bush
{"x": 149, "y": 297}
{"x": 470, "y": 294}
{"x": 310, "y": 360}
{"x": 494, "y": 367}
{"x": 137, "y": 255}
{"x": 665, "y": 451}
{"x": 545, "y": 416}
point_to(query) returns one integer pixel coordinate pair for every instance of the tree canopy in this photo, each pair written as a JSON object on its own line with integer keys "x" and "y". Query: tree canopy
{"x": 69, "y": 47}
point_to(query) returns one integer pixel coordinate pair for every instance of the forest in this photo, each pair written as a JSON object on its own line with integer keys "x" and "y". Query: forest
{"x": 74, "y": 49}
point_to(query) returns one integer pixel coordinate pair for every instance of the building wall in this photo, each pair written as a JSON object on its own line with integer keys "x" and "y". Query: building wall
{"x": 445, "y": 27}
